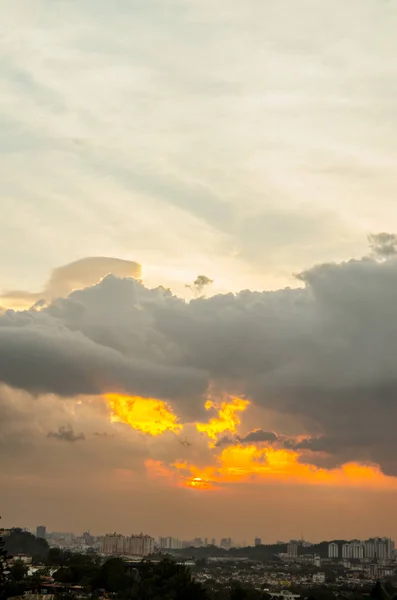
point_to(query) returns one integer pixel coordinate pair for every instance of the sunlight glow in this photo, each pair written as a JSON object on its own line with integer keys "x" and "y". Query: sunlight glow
{"x": 227, "y": 419}
{"x": 148, "y": 415}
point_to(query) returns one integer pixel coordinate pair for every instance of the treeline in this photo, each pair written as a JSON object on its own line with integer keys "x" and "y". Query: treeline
{"x": 263, "y": 552}
{"x": 21, "y": 542}
{"x": 259, "y": 553}
{"x": 165, "y": 580}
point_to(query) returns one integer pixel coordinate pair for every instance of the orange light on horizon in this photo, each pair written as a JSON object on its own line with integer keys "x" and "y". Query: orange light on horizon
{"x": 249, "y": 464}
{"x": 148, "y": 415}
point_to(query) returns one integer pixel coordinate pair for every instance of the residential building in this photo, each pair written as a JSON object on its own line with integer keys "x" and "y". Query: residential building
{"x": 292, "y": 550}
{"x": 333, "y": 550}
{"x": 258, "y": 542}
{"x": 356, "y": 550}
{"x": 170, "y": 543}
{"x": 346, "y": 551}
{"x": 41, "y": 532}
{"x": 319, "y": 578}
{"x": 120, "y": 545}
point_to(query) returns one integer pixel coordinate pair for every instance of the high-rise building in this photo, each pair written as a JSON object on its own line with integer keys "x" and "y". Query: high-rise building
{"x": 170, "y": 543}
{"x": 333, "y": 550}
{"x": 292, "y": 550}
{"x": 226, "y": 543}
{"x": 379, "y": 548}
{"x": 356, "y": 550}
{"x": 346, "y": 551}
{"x": 120, "y": 545}
{"x": 87, "y": 539}
{"x": 258, "y": 542}
{"x": 41, "y": 532}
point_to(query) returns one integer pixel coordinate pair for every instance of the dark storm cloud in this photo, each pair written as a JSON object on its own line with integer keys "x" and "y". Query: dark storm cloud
{"x": 325, "y": 354}
{"x": 66, "y": 433}
{"x": 40, "y": 355}
{"x": 259, "y": 436}
{"x": 254, "y": 437}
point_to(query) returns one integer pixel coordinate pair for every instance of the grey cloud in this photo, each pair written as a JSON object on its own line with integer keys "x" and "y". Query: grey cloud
{"x": 66, "y": 433}
{"x": 259, "y": 436}
{"x": 199, "y": 284}
{"x": 226, "y": 441}
{"x": 40, "y": 355}
{"x": 324, "y": 354}
{"x": 256, "y": 436}
{"x": 315, "y": 444}
{"x": 383, "y": 244}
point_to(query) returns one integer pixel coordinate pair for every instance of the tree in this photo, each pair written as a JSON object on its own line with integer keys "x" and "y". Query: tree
{"x": 18, "y": 571}
{"x": 4, "y": 572}
{"x": 22, "y": 542}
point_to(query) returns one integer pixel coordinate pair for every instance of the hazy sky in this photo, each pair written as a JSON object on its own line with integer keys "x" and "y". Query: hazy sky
{"x": 244, "y": 141}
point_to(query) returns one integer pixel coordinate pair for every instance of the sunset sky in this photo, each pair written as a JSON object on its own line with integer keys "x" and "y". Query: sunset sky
{"x": 145, "y": 143}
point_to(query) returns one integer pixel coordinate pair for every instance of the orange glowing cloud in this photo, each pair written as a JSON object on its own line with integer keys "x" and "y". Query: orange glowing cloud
{"x": 237, "y": 463}
{"x": 227, "y": 419}
{"x": 148, "y": 415}
{"x": 252, "y": 464}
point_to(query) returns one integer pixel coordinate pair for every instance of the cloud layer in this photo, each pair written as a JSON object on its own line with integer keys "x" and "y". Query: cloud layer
{"x": 324, "y": 354}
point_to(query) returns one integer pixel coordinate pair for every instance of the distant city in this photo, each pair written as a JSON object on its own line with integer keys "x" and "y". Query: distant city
{"x": 283, "y": 569}
{"x": 378, "y": 552}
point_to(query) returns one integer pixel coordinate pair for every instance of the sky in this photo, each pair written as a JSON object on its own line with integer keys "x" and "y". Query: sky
{"x": 198, "y": 267}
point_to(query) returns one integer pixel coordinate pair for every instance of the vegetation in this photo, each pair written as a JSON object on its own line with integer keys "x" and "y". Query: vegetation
{"x": 21, "y": 542}
{"x": 3, "y": 569}
{"x": 147, "y": 580}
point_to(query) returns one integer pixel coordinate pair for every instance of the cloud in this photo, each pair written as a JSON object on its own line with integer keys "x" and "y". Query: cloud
{"x": 259, "y": 436}
{"x": 323, "y": 355}
{"x": 44, "y": 352}
{"x": 253, "y": 437}
{"x": 383, "y": 244}
{"x": 65, "y": 433}
{"x": 199, "y": 284}
{"x": 76, "y": 275}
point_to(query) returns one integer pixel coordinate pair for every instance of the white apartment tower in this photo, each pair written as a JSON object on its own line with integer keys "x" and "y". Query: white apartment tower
{"x": 333, "y": 550}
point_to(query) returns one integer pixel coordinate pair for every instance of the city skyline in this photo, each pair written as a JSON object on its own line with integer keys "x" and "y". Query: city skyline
{"x": 198, "y": 261}
{"x": 43, "y": 532}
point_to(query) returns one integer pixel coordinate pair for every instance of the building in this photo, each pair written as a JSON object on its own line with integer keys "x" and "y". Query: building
{"x": 226, "y": 543}
{"x": 258, "y": 542}
{"x": 41, "y": 532}
{"x": 346, "y": 551}
{"x": 356, "y": 550}
{"x": 319, "y": 578}
{"x": 120, "y": 545}
{"x": 374, "y": 571}
{"x": 333, "y": 550}
{"x": 170, "y": 543}
{"x": 379, "y": 548}
{"x": 292, "y": 550}
{"x": 317, "y": 561}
